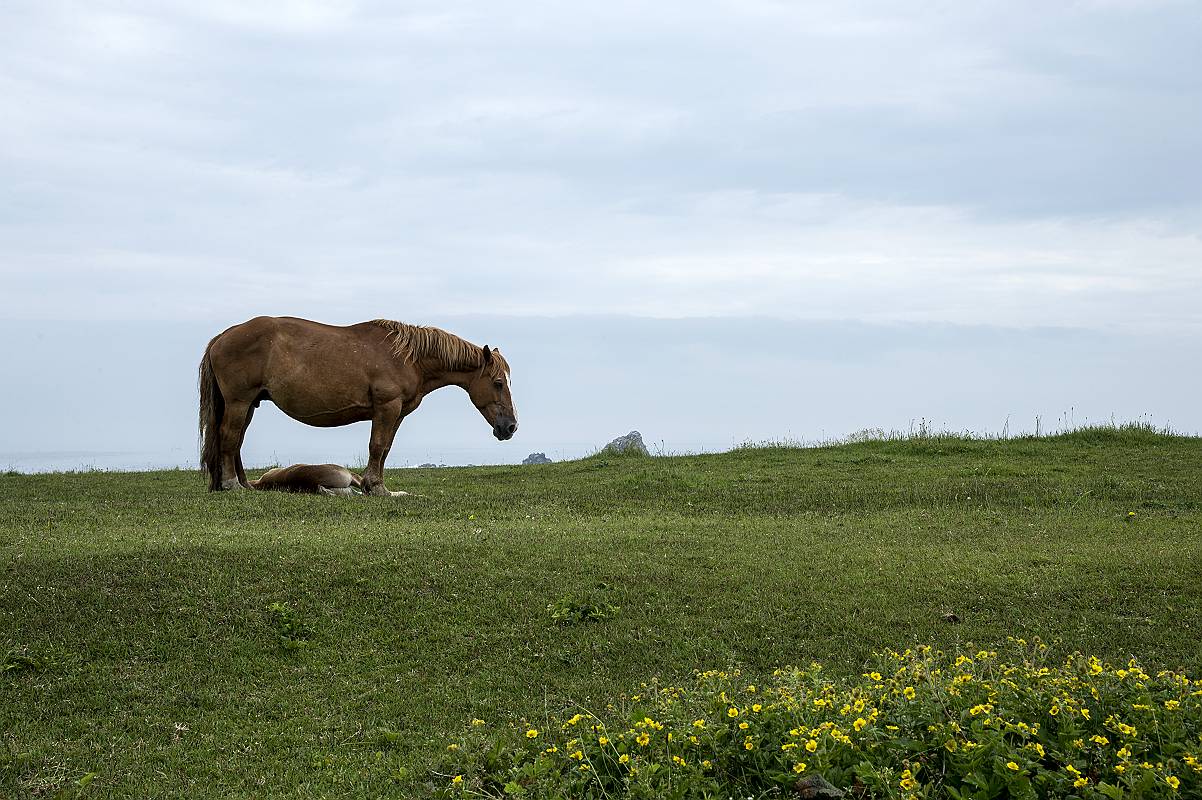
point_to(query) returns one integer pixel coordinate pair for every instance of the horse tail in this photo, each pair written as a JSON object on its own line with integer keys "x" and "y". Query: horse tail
{"x": 212, "y": 408}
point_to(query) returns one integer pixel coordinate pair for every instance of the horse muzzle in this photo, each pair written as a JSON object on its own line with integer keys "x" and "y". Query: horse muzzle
{"x": 505, "y": 429}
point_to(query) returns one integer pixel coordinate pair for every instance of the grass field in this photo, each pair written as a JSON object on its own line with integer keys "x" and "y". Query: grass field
{"x": 165, "y": 642}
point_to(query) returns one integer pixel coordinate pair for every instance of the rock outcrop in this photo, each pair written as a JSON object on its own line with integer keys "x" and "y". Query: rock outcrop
{"x": 630, "y": 443}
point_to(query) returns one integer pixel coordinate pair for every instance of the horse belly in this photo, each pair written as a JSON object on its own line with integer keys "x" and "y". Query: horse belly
{"x": 318, "y": 403}
{"x": 318, "y": 383}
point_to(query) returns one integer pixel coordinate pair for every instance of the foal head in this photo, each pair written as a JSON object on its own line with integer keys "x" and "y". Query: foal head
{"x": 489, "y": 390}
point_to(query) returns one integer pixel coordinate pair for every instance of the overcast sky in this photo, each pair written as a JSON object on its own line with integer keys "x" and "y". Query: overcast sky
{"x": 1007, "y": 164}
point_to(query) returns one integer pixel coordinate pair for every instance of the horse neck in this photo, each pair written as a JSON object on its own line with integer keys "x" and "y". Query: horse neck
{"x": 436, "y": 374}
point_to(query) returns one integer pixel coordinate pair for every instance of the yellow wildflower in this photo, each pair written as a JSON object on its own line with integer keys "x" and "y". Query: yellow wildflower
{"x": 756, "y": 707}
{"x": 643, "y": 739}
{"x": 859, "y": 723}
{"x": 624, "y": 758}
{"x": 1098, "y": 739}
{"x": 908, "y": 692}
{"x": 1081, "y": 782}
{"x": 1012, "y": 765}
{"x": 732, "y": 712}
{"x": 799, "y": 767}
{"x": 1171, "y": 705}
{"x": 812, "y": 745}
{"x": 602, "y": 740}
{"x": 1173, "y": 782}
{"x": 743, "y": 726}
{"x": 907, "y": 780}
{"x": 476, "y": 723}
{"x": 532, "y": 733}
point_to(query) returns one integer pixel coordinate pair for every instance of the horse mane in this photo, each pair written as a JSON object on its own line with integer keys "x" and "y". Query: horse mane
{"x": 418, "y": 342}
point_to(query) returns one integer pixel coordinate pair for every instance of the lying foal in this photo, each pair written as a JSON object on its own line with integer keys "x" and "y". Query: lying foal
{"x": 329, "y": 479}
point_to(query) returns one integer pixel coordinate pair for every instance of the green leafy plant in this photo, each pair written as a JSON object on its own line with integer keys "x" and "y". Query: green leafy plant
{"x": 18, "y": 659}
{"x": 293, "y": 630}
{"x": 572, "y": 610}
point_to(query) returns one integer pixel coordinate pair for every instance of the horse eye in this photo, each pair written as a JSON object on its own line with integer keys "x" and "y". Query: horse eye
{"x": 498, "y": 384}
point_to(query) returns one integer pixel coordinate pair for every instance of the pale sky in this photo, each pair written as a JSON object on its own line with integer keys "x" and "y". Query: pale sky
{"x": 1020, "y": 166}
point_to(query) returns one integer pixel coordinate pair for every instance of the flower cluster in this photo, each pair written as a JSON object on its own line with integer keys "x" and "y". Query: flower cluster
{"x": 917, "y": 724}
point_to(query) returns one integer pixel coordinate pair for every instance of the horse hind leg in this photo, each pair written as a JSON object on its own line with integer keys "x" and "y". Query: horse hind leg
{"x": 250, "y": 412}
{"x": 329, "y": 492}
{"x": 233, "y": 430}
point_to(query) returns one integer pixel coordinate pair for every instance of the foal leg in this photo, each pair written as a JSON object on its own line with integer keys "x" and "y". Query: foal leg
{"x": 384, "y": 424}
{"x": 233, "y": 427}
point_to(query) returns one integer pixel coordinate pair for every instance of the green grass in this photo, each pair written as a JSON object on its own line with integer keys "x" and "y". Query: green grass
{"x": 176, "y": 643}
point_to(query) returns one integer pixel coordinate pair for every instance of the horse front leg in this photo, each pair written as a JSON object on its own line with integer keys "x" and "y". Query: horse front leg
{"x": 384, "y": 424}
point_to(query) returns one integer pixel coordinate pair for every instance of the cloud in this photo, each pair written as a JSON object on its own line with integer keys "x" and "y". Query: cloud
{"x": 1013, "y": 164}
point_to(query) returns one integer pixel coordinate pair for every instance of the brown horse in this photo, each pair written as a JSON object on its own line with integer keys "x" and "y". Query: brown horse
{"x": 327, "y": 376}
{"x": 310, "y": 479}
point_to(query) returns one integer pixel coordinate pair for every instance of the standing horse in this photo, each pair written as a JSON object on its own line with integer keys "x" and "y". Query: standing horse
{"x": 328, "y": 376}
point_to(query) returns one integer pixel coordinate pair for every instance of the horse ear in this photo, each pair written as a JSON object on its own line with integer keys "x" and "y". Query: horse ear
{"x": 487, "y": 355}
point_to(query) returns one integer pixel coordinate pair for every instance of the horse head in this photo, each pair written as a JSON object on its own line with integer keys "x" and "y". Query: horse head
{"x": 489, "y": 391}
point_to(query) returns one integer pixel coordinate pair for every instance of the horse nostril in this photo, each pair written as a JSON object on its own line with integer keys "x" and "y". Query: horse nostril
{"x": 513, "y": 426}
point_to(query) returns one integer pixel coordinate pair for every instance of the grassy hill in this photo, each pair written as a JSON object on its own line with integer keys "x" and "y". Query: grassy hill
{"x": 169, "y": 642}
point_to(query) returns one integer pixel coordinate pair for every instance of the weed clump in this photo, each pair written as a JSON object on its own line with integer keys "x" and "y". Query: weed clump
{"x": 292, "y": 629}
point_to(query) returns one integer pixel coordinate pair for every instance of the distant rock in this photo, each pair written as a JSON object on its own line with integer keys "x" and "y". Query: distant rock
{"x": 630, "y": 443}
{"x": 536, "y": 458}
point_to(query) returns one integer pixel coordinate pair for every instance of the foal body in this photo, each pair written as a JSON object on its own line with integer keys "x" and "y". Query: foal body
{"x": 309, "y": 479}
